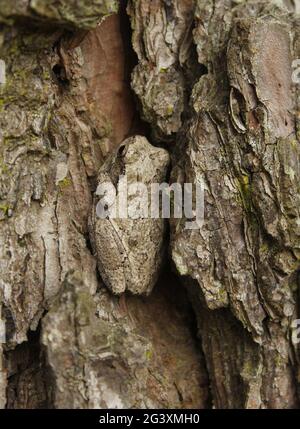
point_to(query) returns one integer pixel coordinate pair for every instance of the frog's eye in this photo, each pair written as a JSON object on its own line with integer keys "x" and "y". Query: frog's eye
{"x": 122, "y": 151}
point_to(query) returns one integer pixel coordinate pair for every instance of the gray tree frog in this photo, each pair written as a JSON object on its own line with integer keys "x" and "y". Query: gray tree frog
{"x": 129, "y": 251}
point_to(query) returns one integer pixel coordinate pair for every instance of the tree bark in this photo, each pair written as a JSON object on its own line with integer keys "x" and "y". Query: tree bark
{"x": 212, "y": 82}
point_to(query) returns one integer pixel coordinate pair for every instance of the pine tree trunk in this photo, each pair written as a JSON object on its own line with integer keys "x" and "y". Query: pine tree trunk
{"x": 212, "y": 81}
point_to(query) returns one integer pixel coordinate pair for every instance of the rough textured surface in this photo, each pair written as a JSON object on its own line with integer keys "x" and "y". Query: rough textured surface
{"x": 80, "y": 14}
{"x": 213, "y": 79}
{"x": 248, "y": 250}
{"x": 162, "y": 38}
{"x": 129, "y": 247}
{"x": 127, "y": 353}
{"x": 241, "y": 138}
{"x": 65, "y": 103}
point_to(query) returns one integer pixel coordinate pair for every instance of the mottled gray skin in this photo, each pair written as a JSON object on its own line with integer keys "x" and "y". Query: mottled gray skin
{"x": 129, "y": 251}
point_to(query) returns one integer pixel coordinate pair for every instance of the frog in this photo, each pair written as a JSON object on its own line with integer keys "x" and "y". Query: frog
{"x": 129, "y": 248}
